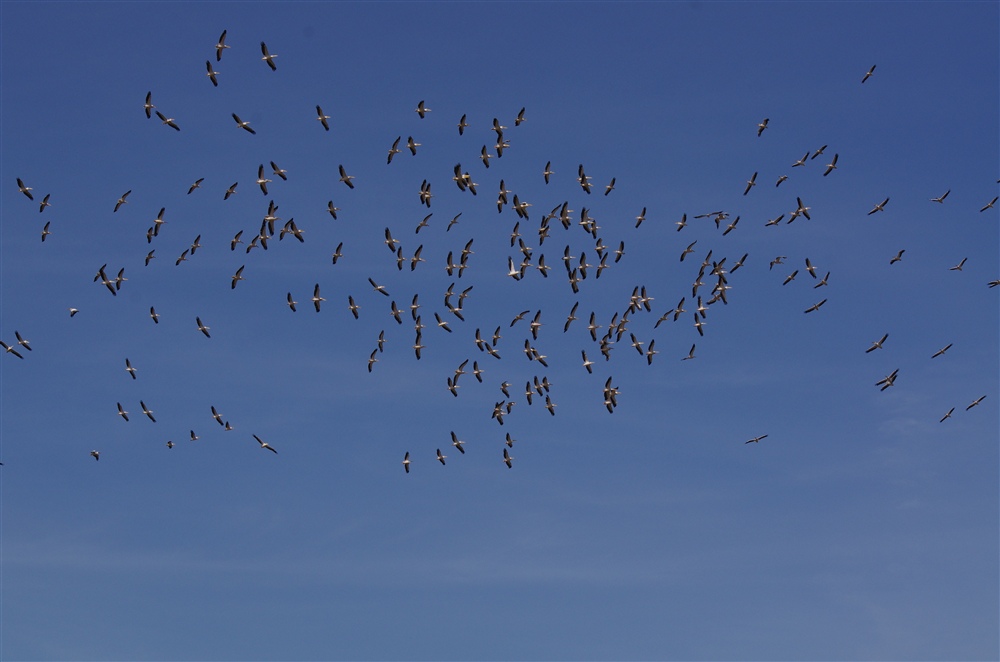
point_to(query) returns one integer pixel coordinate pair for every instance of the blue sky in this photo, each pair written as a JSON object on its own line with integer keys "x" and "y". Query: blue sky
{"x": 861, "y": 527}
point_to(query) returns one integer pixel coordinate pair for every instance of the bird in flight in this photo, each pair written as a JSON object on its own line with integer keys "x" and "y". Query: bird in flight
{"x": 762, "y": 126}
{"x": 264, "y": 444}
{"x": 877, "y": 344}
{"x": 322, "y": 118}
{"x": 24, "y": 189}
{"x": 941, "y": 351}
{"x": 869, "y": 74}
{"x": 243, "y": 125}
{"x": 220, "y": 46}
{"x": 756, "y": 440}
{"x": 10, "y": 350}
{"x": 169, "y": 121}
{"x": 421, "y": 109}
{"x": 832, "y": 165}
{"x": 211, "y": 73}
{"x": 201, "y": 327}
{"x": 941, "y": 198}
{"x": 268, "y": 57}
{"x": 879, "y": 207}
{"x": 344, "y": 177}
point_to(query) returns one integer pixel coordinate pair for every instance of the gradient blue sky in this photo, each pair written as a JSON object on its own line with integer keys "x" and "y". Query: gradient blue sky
{"x": 860, "y": 528}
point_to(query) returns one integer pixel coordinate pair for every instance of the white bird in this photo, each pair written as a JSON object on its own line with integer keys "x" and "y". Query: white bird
{"x": 264, "y": 444}
{"x": 421, "y": 109}
{"x": 268, "y": 57}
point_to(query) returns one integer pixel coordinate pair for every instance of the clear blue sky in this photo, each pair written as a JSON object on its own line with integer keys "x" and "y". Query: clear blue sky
{"x": 861, "y": 527}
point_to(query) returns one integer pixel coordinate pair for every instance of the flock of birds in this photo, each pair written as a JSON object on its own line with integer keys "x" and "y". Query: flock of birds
{"x": 709, "y": 288}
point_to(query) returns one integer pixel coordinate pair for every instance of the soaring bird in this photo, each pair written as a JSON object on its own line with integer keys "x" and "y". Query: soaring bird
{"x": 24, "y": 189}
{"x": 243, "y": 125}
{"x": 831, "y": 166}
{"x": 169, "y": 121}
{"x": 877, "y": 344}
{"x": 148, "y": 106}
{"x": 122, "y": 200}
{"x": 129, "y": 369}
{"x": 211, "y": 73}
{"x": 268, "y": 57}
{"x": 96, "y": 455}
{"x": 975, "y": 402}
{"x": 756, "y": 439}
{"x": 941, "y": 198}
{"x": 421, "y": 109}
{"x": 990, "y": 204}
{"x": 941, "y": 351}
{"x": 751, "y": 183}
{"x": 462, "y": 125}
{"x": 220, "y": 46}
{"x": 201, "y": 327}
{"x": 406, "y": 462}
{"x": 815, "y": 307}
{"x": 762, "y": 126}
{"x": 322, "y": 119}
{"x": 264, "y": 444}
{"x": 316, "y": 298}
{"x": 10, "y": 350}
{"x": 869, "y": 74}
{"x": 879, "y": 207}
{"x": 344, "y": 177}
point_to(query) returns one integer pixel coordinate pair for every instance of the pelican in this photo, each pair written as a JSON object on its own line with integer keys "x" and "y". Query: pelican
{"x": 197, "y": 184}
{"x": 129, "y": 369}
{"x": 262, "y": 181}
{"x": 152, "y": 313}
{"x": 947, "y": 416}
{"x": 264, "y": 444}
{"x": 869, "y": 74}
{"x": 462, "y": 125}
{"x": 279, "y": 172}
{"x": 211, "y": 73}
{"x": 322, "y": 119}
{"x": 815, "y": 306}
{"x": 958, "y": 267}
{"x": 243, "y": 125}
{"x": 888, "y": 380}
{"x": 148, "y": 106}
{"x": 350, "y": 304}
{"x": 230, "y": 191}
{"x": 941, "y": 198}
{"x": 268, "y": 57}
{"x": 238, "y": 276}
{"x": 802, "y": 161}
{"x": 520, "y": 118}
{"x": 122, "y": 200}
{"x": 147, "y": 411}
{"x": 201, "y": 327}
{"x": 897, "y": 257}
{"x": 421, "y": 109}
{"x": 751, "y": 183}
{"x": 832, "y": 165}
{"x": 220, "y": 46}
{"x": 217, "y": 416}
{"x": 45, "y": 230}
{"x": 780, "y": 179}
{"x": 762, "y": 126}
{"x": 10, "y": 350}
{"x": 975, "y": 402}
{"x": 756, "y": 440}
{"x": 169, "y": 121}
{"x": 406, "y": 462}
{"x": 507, "y": 458}
{"x": 122, "y": 412}
{"x": 74, "y": 311}
{"x": 990, "y": 204}
{"x": 942, "y": 351}
{"x": 96, "y": 455}
{"x": 372, "y": 360}
{"x": 877, "y": 344}
{"x": 440, "y": 456}
{"x": 879, "y": 207}
{"x": 344, "y": 177}
{"x": 316, "y": 298}
{"x": 45, "y": 203}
